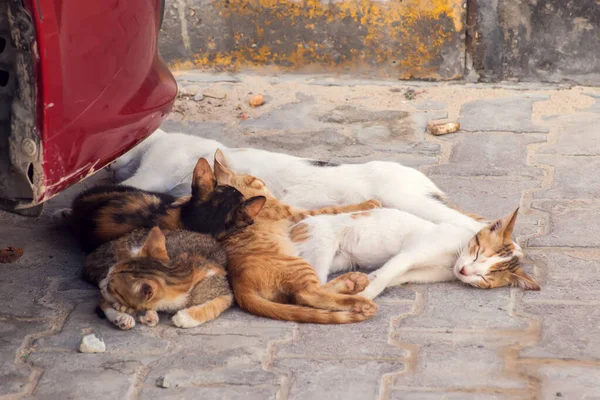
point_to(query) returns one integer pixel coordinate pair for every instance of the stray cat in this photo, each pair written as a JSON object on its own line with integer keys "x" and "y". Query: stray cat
{"x": 309, "y": 184}
{"x": 145, "y": 272}
{"x": 411, "y": 249}
{"x": 267, "y": 276}
{"x": 104, "y": 213}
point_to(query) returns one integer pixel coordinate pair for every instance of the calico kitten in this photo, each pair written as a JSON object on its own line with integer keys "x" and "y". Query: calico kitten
{"x": 411, "y": 249}
{"x": 296, "y": 181}
{"x": 147, "y": 271}
{"x": 104, "y": 213}
{"x": 267, "y": 276}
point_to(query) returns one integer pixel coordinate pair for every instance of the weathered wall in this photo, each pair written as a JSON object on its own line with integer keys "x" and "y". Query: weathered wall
{"x": 482, "y": 40}
{"x": 399, "y": 38}
{"x": 534, "y": 40}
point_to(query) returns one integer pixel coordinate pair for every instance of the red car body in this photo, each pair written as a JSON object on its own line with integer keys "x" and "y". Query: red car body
{"x": 100, "y": 87}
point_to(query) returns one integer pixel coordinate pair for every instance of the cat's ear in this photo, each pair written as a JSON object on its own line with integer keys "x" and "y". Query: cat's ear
{"x": 145, "y": 292}
{"x": 221, "y": 159}
{"x": 253, "y": 205}
{"x": 504, "y": 226}
{"x": 203, "y": 180}
{"x": 155, "y": 246}
{"x": 520, "y": 279}
{"x": 222, "y": 172}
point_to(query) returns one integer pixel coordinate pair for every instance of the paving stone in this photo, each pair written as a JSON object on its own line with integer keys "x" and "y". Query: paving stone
{"x": 430, "y": 105}
{"x": 290, "y": 142}
{"x": 225, "y": 358}
{"x": 464, "y": 362}
{"x": 353, "y": 115}
{"x": 14, "y": 374}
{"x": 454, "y": 306}
{"x": 421, "y": 119}
{"x": 577, "y": 136}
{"x": 408, "y": 159}
{"x": 595, "y": 108}
{"x": 453, "y": 394}
{"x": 221, "y": 392}
{"x": 568, "y": 275}
{"x": 491, "y": 198}
{"x": 335, "y": 379}
{"x": 370, "y": 134}
{"x": 490, "y": 154}
{"x": 365, "y": 339}
{"x": 567, "y": 332}
{"x": 206, "y": 77}
{"x": 507, "y": 114}
{"x": 83, "y": 376}
{"x": 571, "y": 382}
{"x": 292, "y": 117}
{"x": 572, "y": 178}
{"x": 572, "y": 224}
{"x": 141, "y": 341}
{"x": 207, "y": 130}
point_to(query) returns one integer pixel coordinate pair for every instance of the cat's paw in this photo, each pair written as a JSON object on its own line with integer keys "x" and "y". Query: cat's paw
{"x": 356, "y": 282}
{"x": 121, "y": 308}
{"x": 350, "y": 283}
{"x": 371, "y": 204}
{"x": 183, "y": 319}
{"x": 124, "y": 321}
{"x": 149, "y": 318}
{"x": 365, "y": 307}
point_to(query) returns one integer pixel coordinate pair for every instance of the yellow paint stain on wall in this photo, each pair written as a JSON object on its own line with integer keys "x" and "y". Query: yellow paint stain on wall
{"x": 407, "y": 36}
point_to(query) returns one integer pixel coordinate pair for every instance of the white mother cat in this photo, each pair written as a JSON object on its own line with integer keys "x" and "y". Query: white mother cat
{"x": 163, "y": 163}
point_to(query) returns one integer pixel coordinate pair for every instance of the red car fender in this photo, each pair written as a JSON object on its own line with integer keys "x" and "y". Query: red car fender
{"x": 100, "y": 87}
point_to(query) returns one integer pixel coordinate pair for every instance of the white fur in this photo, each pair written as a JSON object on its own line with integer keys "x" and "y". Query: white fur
{"x": 183, "y": 320}
{"x": 120, "y": 319}
{"x": 405, "y": 247}
{"x": 166, "y": 162}
{"x": 172, "y": 304}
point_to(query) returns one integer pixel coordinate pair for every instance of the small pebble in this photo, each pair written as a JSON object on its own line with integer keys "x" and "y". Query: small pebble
{"x": 199, "y": 97}
{"x": 92, "y": 344}
{"x": 257, "y": 101}
{"x": 559, "y": 394}
{"x": 162, "y": 382}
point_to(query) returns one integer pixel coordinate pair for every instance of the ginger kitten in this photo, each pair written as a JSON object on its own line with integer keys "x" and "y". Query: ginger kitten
{"x": 267, "y": 276}
{"x": 147, "y": 271}
{"x": 105, "y": 213}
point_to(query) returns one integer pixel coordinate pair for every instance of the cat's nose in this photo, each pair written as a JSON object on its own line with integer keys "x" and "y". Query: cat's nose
{"x": 463, "y": 271}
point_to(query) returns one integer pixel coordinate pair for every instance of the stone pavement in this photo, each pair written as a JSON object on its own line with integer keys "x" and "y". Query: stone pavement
{"x": 533, "y": 146}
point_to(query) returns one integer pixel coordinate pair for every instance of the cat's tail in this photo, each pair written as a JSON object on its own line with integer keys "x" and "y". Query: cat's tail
{"x": 258, "y": 305}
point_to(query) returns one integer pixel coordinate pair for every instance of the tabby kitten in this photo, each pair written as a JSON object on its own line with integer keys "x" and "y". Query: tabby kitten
{"x": 105, "y": 213}
{"x": 267, "y": 276}
{"x": 145, "y": 271}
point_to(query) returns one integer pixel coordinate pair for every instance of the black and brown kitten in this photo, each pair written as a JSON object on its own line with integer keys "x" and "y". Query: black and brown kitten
{"x": 107, "y": 212}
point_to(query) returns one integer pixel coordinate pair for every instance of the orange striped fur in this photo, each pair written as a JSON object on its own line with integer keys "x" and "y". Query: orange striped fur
{"x": 267, "y": 277}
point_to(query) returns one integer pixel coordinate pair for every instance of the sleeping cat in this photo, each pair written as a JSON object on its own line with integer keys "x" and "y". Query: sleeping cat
{"x": 267, "y": 276}
{"x": 407, "y": 248}
{"x": 299, "y": 182}
{"x": 104, "y": 213}
{"x": 145, "y": 272}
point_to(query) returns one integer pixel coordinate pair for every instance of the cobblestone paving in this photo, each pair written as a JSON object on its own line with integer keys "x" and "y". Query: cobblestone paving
{"x": 533, "y": 146}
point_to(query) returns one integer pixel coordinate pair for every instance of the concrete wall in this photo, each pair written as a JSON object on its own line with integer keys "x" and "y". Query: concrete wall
{"x": 534, "y": 40}
{"x": 480, "y": 40}
{"x": 408, "y": 39}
